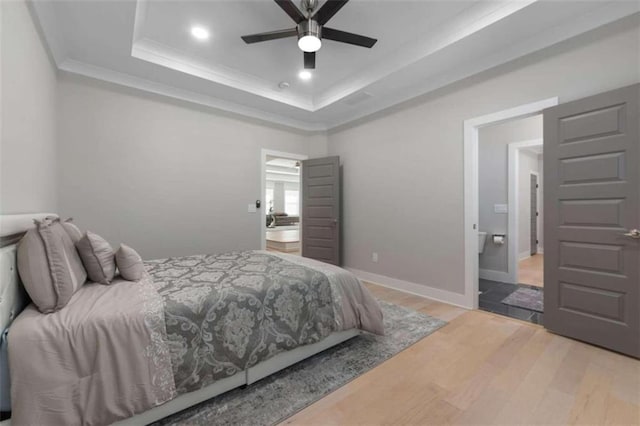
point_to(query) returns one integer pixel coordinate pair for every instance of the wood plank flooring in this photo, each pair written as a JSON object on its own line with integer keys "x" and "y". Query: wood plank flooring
{"x": 531, "y": 270}
{"x": 485, "y": 369}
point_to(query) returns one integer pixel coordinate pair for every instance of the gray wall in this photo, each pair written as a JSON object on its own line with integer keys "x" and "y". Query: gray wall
{"x": 28, "y": 120}
{"x": 493, "y": 179}
{"x": 403, "y": 169}
{"x": 165, "y": 177}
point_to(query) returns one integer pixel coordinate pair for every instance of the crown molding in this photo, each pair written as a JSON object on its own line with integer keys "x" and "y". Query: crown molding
{"x": 127, "y": 80}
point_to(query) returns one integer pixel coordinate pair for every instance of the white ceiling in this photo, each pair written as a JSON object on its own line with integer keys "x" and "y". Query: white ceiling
{"x": 423, "y": 45}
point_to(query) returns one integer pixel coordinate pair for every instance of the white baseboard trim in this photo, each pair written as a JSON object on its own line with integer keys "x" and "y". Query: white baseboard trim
{"x": 524, "y": 255}
{"x": 444, "y": 296}
{"x": 490, "y": 274}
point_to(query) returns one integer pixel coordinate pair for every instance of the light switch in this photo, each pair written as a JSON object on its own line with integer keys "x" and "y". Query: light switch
{"x": 500, "y": 208}
{"x": 251, "y": 208}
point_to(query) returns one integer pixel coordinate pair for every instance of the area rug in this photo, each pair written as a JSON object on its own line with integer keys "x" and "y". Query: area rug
{"x": 281, "y": 395}
{"x": 526, "y": 297}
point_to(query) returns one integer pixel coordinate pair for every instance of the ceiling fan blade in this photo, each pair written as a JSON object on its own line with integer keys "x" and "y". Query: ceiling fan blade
{"x": 345, "y": 37}
{"x": 310, "y": 60}
{"x": 291, "y": 10}
{"x": 328, "y": 9}
{"x": 271, "y": 35}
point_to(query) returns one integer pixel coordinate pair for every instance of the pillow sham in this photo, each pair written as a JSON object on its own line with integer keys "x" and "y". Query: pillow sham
{"x": 129, "y": 263}
{"x": 98, "y": 257}
{"x": 49, "y": 265}
{"x": 74, "y": 232}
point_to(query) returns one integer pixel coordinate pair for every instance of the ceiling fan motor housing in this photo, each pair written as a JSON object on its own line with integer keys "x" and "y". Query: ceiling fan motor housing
{"x": 310, "y": 27}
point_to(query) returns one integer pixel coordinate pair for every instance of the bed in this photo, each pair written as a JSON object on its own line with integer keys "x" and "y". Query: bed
{"x": 193, "y": 328}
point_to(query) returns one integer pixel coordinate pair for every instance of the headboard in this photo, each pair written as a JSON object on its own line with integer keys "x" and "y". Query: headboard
{"x": 12, "y": 294}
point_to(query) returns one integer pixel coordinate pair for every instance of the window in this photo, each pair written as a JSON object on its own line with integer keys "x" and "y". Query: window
{"x": 292, "y": 202}
{"x": 269, "y": 199}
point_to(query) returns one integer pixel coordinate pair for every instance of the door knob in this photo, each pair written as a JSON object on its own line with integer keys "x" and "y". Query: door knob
{"x": 634, "y": 233}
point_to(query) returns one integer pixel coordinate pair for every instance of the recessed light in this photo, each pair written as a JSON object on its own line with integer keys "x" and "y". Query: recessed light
{"x": 304, "y": 75}
{"x": 283, "y": 85}
{"x": 200, "y": 33}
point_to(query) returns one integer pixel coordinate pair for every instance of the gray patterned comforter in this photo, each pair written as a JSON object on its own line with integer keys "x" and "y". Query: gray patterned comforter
{"x": 227, "y": 312}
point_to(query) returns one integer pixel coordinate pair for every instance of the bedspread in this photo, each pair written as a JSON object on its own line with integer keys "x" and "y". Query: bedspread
{"x": 121, "y": 349}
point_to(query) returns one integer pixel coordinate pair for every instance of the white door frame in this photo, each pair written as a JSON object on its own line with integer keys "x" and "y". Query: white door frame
{"x": 471, "y": 128}
{"x": 263, "y": 190}
{"x": 513, "y": 240}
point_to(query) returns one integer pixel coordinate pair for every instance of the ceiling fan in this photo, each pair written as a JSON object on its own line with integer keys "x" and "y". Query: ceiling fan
{"x": 310, "y": 28}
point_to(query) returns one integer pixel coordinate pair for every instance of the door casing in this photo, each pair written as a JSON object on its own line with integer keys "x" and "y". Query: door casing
{"x": 261, "y": 212}
{"x": 471, "y": 137}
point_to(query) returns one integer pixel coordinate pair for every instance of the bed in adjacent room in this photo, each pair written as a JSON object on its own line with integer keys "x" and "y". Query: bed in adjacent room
{"x": 191, "y": 328}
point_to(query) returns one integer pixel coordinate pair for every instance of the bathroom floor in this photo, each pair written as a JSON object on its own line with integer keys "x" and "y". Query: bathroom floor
{"x": 492, "y": 293}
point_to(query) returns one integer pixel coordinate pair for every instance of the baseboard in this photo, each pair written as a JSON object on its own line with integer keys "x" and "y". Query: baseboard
{"x": 524, "y": 255}
{"x": 490, "y": 274}
{"x": 444, "y": 296}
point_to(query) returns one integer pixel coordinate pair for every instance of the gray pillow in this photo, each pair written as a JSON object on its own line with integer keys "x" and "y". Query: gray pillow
{"x": 73, "y": 231}
{"x": 129, "y": 263}
{"x": 98, "y": 258}
{"x": 49, "y": 265}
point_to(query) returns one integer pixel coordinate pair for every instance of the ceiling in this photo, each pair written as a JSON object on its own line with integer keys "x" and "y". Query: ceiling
{"x": 422, "y": 45}
{"x": 282, "y": 169}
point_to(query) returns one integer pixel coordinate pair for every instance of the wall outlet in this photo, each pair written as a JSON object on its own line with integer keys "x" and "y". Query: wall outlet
{"x": 374, "y": 257}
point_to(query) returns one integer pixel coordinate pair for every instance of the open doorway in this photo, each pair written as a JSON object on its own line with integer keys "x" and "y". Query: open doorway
{"x": 527, "y": 195}
{"x": 509, "y": 201}
{"x": 282, "y": 202}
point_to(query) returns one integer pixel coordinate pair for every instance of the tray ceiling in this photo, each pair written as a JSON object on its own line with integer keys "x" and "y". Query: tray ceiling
{"x": 423, "y": 45}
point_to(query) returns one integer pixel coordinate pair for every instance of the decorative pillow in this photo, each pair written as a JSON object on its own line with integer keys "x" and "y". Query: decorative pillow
{"x": 74, "y": 232}
{"x": 98, "y": 258}
{"x": 129, "y": 263}
{"x": 49, "y": 265}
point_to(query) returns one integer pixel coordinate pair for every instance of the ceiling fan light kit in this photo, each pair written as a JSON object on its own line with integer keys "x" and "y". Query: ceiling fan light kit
{"x": 309, "y": 36}
{"x": 310, "y": 29}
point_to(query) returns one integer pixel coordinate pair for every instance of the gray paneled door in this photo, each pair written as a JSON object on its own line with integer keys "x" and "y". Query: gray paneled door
{"x": 592, "y": 191}
{"x": 321, "y": 209}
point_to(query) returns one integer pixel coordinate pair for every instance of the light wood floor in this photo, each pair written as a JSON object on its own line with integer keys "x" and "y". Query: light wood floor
{"x": 485, "y": 369}
{"x": 531, "y": 270}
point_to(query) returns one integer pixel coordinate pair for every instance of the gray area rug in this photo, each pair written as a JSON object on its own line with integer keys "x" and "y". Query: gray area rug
{"x": 526, "y": 297}
{"x": 277, "y": 397}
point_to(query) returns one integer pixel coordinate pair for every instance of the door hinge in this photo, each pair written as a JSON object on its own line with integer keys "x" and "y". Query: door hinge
{"x": 537, "y": 186}
{"x": 537, "y": 214}
{"x": 537, "y": 242}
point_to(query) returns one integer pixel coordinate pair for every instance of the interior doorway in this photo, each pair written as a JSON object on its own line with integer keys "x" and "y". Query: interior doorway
{"x": 508, "y": 194}
{"x": 281, "y": 188}
{"x": 526, "y": 189}
{"x": 475, "y": 238}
